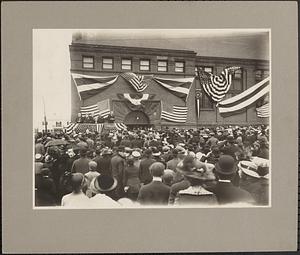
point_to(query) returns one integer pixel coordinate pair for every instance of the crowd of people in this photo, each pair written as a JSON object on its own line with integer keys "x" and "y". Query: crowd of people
{"x": 89, "y": 118}
{"x": 166, "y": 167}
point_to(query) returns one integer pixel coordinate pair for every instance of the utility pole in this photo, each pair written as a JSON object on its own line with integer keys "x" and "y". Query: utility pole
{"x": 198, "y": 96}
{"x": 45, "y": 123}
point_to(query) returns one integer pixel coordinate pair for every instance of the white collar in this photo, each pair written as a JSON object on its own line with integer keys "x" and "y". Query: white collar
{"x": 224, "y": 181}
{"x": 155, "y": 178}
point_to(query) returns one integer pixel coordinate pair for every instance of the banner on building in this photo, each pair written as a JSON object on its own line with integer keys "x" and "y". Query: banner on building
{"x": 88, "y": 86}
{"x": 246, "y": 98}
{"x": 216, "y": 86}
{"x": 179, "y": 87}
{"x": 101, "y": 109}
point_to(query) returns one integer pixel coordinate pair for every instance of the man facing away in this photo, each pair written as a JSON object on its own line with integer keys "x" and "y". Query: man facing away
{"x": 144, "y": 173}
{"x": 81, "y": 165}
{"x": 156, "y": 192}
{"x": 225, "y": 191}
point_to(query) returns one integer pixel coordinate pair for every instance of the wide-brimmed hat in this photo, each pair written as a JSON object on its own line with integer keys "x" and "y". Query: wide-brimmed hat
{"x": 103, "y": 183}
{"x": 195, "y": 173}
{"x": 156, "y": 153}
{"x": 165, "y": 148}
{"x": 180, "y": 150}
{"x": 249, "y": 168}
{"x": 136, "y": 154}
{"x": 226, "y": 165}
{"x": 38, "y": 157}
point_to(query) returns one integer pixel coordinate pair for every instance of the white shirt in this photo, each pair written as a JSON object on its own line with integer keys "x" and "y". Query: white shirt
{"x": 103, "y": 201}
{"x": 73, "y": 200}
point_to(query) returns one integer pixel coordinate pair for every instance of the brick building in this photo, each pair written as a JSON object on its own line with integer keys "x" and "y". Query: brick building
{"x": 106, "y": 60}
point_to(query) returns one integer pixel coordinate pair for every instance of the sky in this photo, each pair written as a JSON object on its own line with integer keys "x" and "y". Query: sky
{"x": 51, "y": 59}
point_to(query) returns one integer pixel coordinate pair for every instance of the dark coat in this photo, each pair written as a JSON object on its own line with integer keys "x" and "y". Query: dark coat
{"x": 155, "y": 192}
{"x": 103, "y": 165}
{"x": 227, "y": 193}
{"x": 117, "y": 167}
{"x": 144, "y": 173}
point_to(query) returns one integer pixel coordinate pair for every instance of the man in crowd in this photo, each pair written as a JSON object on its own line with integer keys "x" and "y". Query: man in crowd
{"x": 224, "y": 190}
{"x": 117, "y": 167}
{"x": 145, "y": 174}
{"x": 81, "y": 165}
{"x": 156, "y": 192}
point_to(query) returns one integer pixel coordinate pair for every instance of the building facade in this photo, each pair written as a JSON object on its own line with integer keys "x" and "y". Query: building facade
{"x": 105, "y": 60}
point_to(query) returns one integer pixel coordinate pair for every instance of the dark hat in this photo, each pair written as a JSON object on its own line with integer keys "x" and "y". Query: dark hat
{"x": 121, "y": 148}
{"x": 103, "y": 183}
{"x": 83, "y": 151}
{"x": 148, "y": 152}
{"x": 226, "y": 165}
{"x": 230, "y": 139}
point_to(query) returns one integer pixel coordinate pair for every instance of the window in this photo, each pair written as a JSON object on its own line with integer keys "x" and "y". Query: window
{"x": 88, "y": 62}
{"x": 237, "y": 81}
{"x": 126, "y": 64}
{"x": 144, "y": 65}
{"x": 107, "y": 63}
{"x": 261, "y": 74}
{"x": 206, "y": 102}
{"x": 179, "y": 67}
{"x": 162, "y": 66}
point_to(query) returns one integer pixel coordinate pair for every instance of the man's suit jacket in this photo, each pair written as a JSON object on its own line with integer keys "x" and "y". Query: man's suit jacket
{"x": 227, "y": 193}
{"x": 154, "y": 193}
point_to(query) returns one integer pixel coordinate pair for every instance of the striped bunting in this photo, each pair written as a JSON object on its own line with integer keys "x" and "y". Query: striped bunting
{"x": 216, "y": 86}
{"x": 88, "y": 86}
{"x": 83, "y": 127}
{"x": 263, "y": 111}
{"x": 179, "y": 114}
{"x": 246, "y": 98}
{"x": 179, "y": 87}
{"x": 70, "y": 128}
{"x": 120, "y": 126}
{"x": 137, "y": 81}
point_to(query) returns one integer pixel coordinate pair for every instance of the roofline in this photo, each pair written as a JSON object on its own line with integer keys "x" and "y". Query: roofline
{"x": 103, "y": 46}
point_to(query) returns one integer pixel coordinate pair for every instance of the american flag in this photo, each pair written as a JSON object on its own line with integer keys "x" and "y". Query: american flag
{"x": 83, "y": 127}
{"x": 178, "y": 114}
{"x": 137, "y": 81}
{"x": 216, "y": 86}
{"x": 100, "y": 109}
{"x": 263, "y": 111}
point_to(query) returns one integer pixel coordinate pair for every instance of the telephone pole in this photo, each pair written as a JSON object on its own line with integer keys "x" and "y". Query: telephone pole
{"x": 45, "y": 123}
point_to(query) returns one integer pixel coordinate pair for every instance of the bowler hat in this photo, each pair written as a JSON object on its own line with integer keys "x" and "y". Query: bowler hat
{"x": 226, "y": 165}
{"x": 103, "y": 183}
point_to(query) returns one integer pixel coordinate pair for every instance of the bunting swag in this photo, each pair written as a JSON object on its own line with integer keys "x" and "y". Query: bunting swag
{"x": 246, "y": 98}
{"x": 88, "y": 86}
{"x": 137, "y": 81}
{"x": 83, "y": 127}
{"x": 136, "y": 99}
{"x": 120, "y": 126}
{"x": 179, "y": 87}
{"x": 263, "y": 111}
{"x": 178, "y": 114}
{"x": 216, "y": 86}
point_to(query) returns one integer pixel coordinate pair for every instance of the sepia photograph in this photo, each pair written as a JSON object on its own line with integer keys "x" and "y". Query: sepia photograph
{"x": 139, "y": 118}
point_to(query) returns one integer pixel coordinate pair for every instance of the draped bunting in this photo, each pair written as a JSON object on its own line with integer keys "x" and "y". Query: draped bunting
{"x": 88, "y": 86}
{"x": 136, "y": 99}
{"x": 216, "y": 86}
{"x": 179, "y": 87}
{"x": 246, "y": 98}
